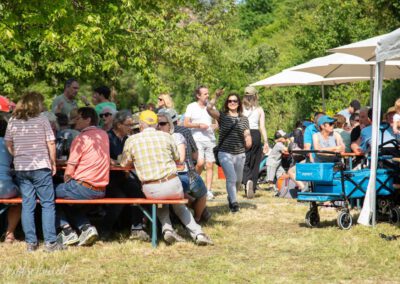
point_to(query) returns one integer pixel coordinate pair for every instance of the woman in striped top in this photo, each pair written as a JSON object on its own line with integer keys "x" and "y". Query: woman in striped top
{"x": 234, "y": 132}
{"x": 30, "y": 139}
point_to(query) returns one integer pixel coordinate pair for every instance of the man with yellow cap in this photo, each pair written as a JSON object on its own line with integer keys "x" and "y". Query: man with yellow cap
{"x": 154, "y": 154}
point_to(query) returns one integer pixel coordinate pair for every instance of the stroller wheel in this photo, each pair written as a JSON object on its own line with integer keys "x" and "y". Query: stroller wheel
{"x": 344, "y": 220}
{"x": 394, "y": 215}
{"x": 312, "y": 218}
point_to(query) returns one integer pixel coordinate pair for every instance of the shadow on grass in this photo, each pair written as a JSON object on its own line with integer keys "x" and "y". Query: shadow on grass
{"x": 329, "y": 223}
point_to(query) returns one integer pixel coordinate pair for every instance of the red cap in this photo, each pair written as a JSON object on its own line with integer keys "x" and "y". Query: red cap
{"x": 4, "y": 104}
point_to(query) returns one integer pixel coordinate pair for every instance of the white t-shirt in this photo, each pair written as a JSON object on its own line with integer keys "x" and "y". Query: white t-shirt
{"x": 197, "y": 114}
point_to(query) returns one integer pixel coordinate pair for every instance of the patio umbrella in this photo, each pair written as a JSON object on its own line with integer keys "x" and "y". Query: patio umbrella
{"x": 364, "y": 48}
{"x": 345, "y": 65}
{"x": 388, "y": 48}
{"x": 296, "y": 78}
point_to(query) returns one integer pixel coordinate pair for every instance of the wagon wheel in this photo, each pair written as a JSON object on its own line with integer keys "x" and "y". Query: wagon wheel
{"x": 394, "y": 215}
{"x": 312, "y": 218}
{"x": 344, "y": 220}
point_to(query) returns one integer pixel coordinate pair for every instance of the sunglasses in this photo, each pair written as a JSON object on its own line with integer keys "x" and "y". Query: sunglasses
{"x": 162, "y": 123}
{"x": 107, "y": 114}
{"x": 330, "y": 123}
{"x": 160, "y": 99}
{"x": 233, "y": 101}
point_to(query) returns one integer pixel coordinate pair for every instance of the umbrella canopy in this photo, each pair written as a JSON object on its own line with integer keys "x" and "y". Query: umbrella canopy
{"x": 345, "y": 65}
{"x": 289, "y": 77}
{"x": 364, "y": 49}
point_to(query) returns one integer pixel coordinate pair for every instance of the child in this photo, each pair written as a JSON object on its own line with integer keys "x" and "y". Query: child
{"x": 274, "y": 168}
{"x": 396, "y": 118}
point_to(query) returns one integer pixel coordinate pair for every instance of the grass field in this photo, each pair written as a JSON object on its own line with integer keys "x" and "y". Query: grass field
{"x": 265, "y": 242}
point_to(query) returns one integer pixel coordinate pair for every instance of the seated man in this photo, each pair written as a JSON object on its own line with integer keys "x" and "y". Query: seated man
{"x": 154, "y": 154}
{"x": 86, "y": 177}
{"x": 122, "y": 185}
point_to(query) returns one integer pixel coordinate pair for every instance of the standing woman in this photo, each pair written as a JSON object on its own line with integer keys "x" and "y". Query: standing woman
{"x": 30, "y": 139}
{"x": 256, "y": 117}
{"x": 235, "y": 136}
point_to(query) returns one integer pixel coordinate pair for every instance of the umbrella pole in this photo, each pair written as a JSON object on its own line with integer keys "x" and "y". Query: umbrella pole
{"x": 323, "y": 97}
{"x": 371, "y": 85}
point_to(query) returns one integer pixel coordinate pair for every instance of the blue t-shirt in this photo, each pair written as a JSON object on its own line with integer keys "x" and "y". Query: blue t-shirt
{"x": 308, "y": 134}
{"x": 366, "y": 135}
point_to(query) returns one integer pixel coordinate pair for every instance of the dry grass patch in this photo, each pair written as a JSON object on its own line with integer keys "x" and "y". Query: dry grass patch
{"x": 265, "y": 242}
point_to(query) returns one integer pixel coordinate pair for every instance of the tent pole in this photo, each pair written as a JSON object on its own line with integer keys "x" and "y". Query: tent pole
{"x": 323, "y": 97}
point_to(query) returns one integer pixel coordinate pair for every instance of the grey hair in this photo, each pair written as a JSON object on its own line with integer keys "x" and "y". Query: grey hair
{"x": 52, "y": 118}
{"x": 169, "y": 119}
{"x": 121, "y": 116}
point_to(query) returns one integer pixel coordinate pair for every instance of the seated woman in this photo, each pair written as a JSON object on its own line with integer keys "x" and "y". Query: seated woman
{"x": 7, "y": 187}
{"x": 328, "y": 140}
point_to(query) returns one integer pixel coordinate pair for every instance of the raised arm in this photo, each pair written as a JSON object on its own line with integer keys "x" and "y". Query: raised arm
{"x": 211, "y": 105}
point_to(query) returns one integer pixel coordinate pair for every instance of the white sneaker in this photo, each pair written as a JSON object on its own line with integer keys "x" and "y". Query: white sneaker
{"x": 210, "y": 195}
{"x": 249, "y": 189}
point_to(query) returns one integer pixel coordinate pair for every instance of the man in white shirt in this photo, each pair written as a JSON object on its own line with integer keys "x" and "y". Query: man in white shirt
{"x": 200, "y": 123}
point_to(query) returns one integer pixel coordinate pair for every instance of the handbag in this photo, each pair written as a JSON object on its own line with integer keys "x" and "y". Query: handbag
{"x": 216, "y": 148}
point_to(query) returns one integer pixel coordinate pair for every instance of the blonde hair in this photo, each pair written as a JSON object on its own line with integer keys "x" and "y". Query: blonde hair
{"x": 397, "y": 105}
{"x": 30, "y": 105}
{"x": 169, "y": 103}
{"x": 250, "y": 101}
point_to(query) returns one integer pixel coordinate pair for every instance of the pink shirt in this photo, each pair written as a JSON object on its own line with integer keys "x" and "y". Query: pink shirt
{"x": 29, "y": 138}
{"x": 90, "y": 154}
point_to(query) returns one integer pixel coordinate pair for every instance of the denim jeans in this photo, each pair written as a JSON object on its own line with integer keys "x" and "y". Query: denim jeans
{"x": 77, "y": 214}
{"x": 232, "y": 166}
{"x": 37, "y": 183}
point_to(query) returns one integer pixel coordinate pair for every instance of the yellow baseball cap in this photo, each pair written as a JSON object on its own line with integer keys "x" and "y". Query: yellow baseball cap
{"x": 149, "y": 117}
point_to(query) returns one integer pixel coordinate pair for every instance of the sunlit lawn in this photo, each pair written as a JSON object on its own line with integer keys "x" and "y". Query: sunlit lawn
{"x": 265, "y": 242}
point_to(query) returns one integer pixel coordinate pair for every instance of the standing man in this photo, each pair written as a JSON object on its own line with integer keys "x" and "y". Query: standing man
{"x": 200, "y": 122}
{"x": 154, "y": 154}
{"x": 86, "y": 177}
{"x": 65, "y": 102}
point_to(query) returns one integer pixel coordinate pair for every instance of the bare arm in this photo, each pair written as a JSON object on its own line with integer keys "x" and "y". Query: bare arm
{"x": 263, "y": 131}
{"x": 69, "y": 172}
{"x": 211, "y": 105}
{"x": 10, "y": 147}
{"x": 188, "y": 124}
{"x": 182, "y": 152}
{"x": 51, "y": 146}
{"x": 247, "y": 139}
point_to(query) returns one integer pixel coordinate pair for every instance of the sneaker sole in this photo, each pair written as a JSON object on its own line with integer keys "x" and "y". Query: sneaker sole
{"x": 71, "y": 242}
{"x": 89, "y": 241}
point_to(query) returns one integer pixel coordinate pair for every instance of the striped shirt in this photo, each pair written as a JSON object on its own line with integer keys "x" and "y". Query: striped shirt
{"x": 29, "y": 138}
{"x": 234, "y": 143}
{"x": 153, "y": 153}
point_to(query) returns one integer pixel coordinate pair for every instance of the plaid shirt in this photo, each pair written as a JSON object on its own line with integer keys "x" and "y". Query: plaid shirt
{"x": 152, "y": 152}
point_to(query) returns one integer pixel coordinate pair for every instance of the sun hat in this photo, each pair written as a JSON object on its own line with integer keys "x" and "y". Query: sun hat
{"x": 149, "y": 117}
{"x": 251, "y": 91}
{"x": 280, "y": 134}
{"x": 325, "y": 119}
{"x": 172, "y": 113}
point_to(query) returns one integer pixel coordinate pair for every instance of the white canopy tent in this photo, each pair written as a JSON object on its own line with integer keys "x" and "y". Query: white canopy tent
{"x": 388, "y": 48}
{"x": 296, "y": 78}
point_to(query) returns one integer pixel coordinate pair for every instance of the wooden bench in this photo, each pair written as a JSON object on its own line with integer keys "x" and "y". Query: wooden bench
{"x": 130, "y": 201}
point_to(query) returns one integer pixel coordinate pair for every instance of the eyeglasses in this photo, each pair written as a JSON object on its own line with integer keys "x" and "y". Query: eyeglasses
{"x": 162, "y": 123}
{"x": 232, "y": 101}
{"x": 128, "y": 125}
{"x": 107, "y": 114}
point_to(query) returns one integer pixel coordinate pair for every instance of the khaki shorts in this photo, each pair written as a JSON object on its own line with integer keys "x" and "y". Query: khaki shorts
{"x": 205, "y": 151}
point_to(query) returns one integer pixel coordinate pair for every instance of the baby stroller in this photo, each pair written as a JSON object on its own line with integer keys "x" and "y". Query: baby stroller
{"x": 334, "y": 186}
